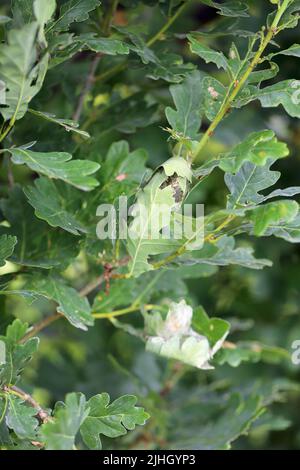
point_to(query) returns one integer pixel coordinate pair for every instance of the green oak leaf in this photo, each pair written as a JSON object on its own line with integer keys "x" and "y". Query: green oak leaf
{"x": 110, "y": 419}
{"x": 18, "y": 354}
{"x": 230, "y": 8}
{"x": 285, "y": 93}
{"x": 290, "y": 18}
{"x": 246, "y": 184}
{"x": 62, "y": 48}
{"x": 287, "y": 192}
{"x": 222, "y": 28}
{"x": 258, "y": 76}
{"x": 43, "y": 11}
{"x": 68, "y": 124}
{"x": 251, "y": 351}
{"x": 178, "y": 166}
{"x": 75, "y": 308}
{"x": 72, "y": 11}
{"x": 60, "y": 432}
{"x": 125, "y": 116}
{"x": 21, "y": 70}
{"x": 168, "y": 283}
{"x": 21, "y": 418}
{"x": 206, "y": 168}
{"x": 50, "y": 205}
{"x": 39, "y": 245}
{"x": 66, "y": 46}
{"x": 187, "y": 97}
{"x": 293, "y": 51}
{"x": 7, "y": 244}
{"x": 5, "y": 435}
{"x": 169, "y": 67}
{"x": 225, "y": 253}
{"x": 109, "y": 46}
{"x": 122, "y": 171}
{"x": 236, "y": 355}
{"x": 214, "y": 94}
{"x": 215, "y": 329}
{"x": 162, "y": 195}
{"x": 236, "y": 66}
{"x": 57, "y": 165}
{"x": 289, "y": 231}
{"x": 23, "y": 10}
{"x": 257, "y": 148}
{"x": 236, "y": 420}
{"x": 142, "y": 241}
{"x": 206, "y": 53}
{"x": 273, "y": 213}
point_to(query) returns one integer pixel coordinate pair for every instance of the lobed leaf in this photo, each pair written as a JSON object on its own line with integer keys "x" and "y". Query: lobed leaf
{"x": 230, "y": 8}
{"x": 21, "y": 70}
{"x": 17, "y": 354}
{"x": 58, "y": 165}
{"x": 73, "y": 11}
{"x": 60, "y": 432}
{"x": 38, "y": 245}
{"x": 75, "y": 308}
{"x": 273, "y": 213}
{"x": 50, "y": 206}
{"x": 206, "y": 53}
{"x": 122, "y": 170}
{"x": 111, "y": 420}
{"x": 246, "y": 184}
{"x": 21, "y": 418}
{"x": 257, "y": 149}
{"x": 7, "y": 244}
{"x": 187, "y": 97}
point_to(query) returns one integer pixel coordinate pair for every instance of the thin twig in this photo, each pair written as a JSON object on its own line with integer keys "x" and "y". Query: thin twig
{"x": 40, "y": 326}
{"x": 87, "y": 86}
{"x": 86, "y": 290}
{"x": 107, "y": 22}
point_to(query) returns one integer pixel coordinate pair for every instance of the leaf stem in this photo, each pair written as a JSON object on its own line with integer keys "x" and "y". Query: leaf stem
{"x": 238, "y": 86}
{"x": 98, "y": 316}
{"x": 125, "y": 311}
{"x": 7, "y": 130}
